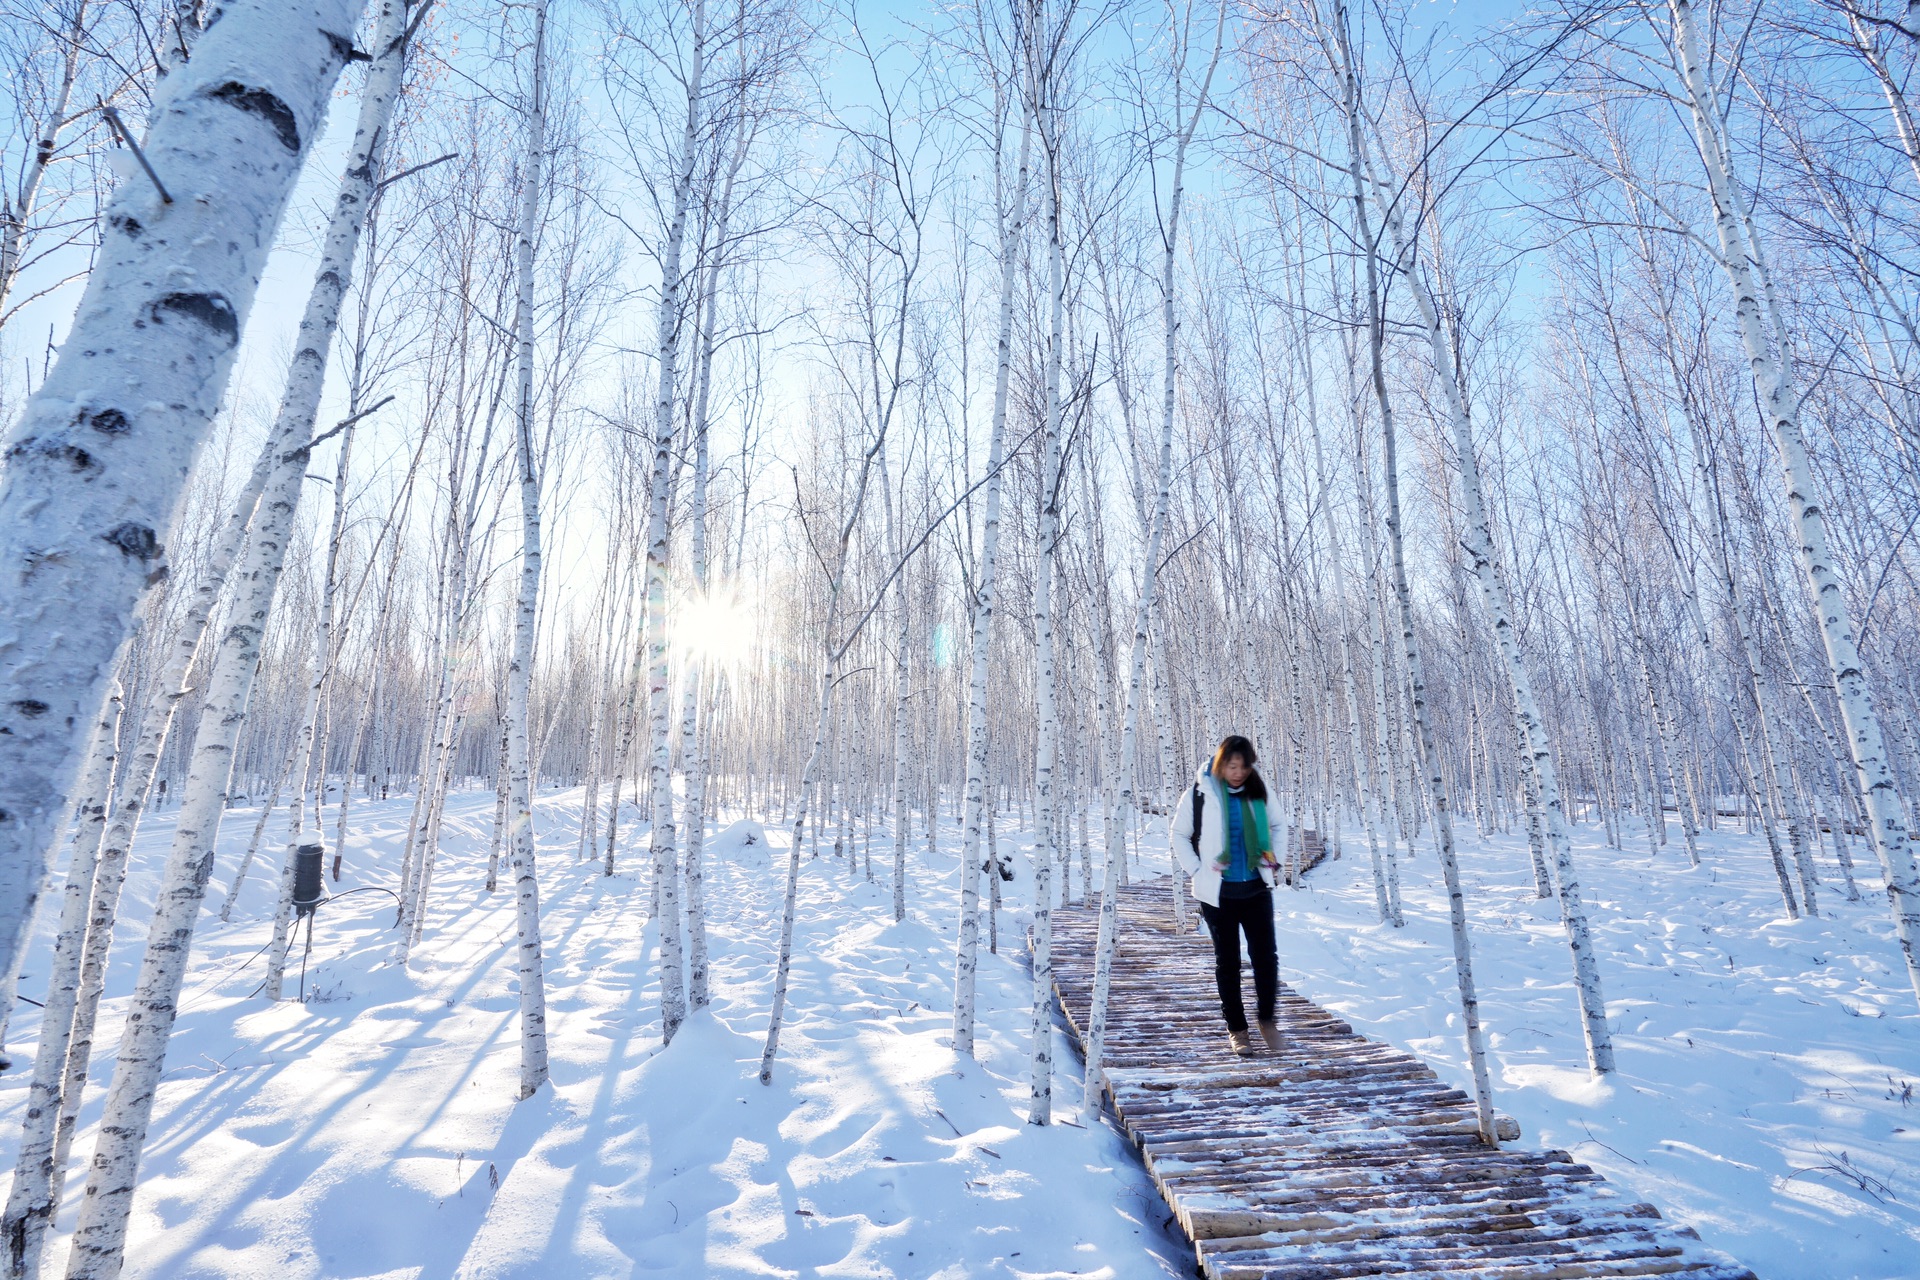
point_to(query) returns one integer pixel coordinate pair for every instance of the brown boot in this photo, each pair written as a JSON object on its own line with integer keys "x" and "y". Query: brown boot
{"x": 1242, "y": 1043}
{"x": 1270, "y": 1032}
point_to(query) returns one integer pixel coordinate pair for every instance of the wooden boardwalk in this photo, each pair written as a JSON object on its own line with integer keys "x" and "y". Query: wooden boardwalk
{"x": 1341, "y": 1157}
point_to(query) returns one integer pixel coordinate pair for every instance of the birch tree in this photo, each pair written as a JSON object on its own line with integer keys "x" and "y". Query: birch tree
{"x": 1768, "y": 349}
{"x": 96, "y": 462}
{"x": 532, "y": 975}
{"x": 1186, "y": 121}
{"x": 1010, "y": 215}
{"x": 100, "y": 1238}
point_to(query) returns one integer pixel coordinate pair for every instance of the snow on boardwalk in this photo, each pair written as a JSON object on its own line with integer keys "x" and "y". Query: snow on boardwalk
{"x": 1340, "y": 1157}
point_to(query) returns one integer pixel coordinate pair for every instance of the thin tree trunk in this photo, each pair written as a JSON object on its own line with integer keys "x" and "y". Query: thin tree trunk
{"x": 531, "y": 970}
{"x": 30, "y": 1207}
{"x": 1479, "y": 545}
{"x": 1094, "y": 1081}
{"x": 666, "y": 874}
{"x": 967, "y": 945}
{"x": 1428, "y": 748}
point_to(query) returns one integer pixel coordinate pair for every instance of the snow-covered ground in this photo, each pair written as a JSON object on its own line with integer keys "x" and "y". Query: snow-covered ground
{"x": 1768, "y": 1068}
{"x": 372, "y": 1131}
{"x": 1764, "y": 1094}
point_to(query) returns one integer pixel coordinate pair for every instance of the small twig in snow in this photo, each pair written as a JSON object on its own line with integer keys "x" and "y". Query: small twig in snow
{"x": 1841, "y": 1166}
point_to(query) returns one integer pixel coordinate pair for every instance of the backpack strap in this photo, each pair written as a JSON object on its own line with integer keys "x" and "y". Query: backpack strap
{"x": 1199, "y": 807}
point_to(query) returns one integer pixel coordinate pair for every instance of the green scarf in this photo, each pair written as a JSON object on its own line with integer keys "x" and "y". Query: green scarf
{"x": 1263, "y": 838}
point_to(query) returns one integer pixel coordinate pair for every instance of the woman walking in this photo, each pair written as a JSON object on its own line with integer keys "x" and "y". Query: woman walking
{"x": 1221, "y": 839}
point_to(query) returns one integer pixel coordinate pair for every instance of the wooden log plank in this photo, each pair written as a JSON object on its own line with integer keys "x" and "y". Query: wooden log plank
{"x": 1337, "y": 1156}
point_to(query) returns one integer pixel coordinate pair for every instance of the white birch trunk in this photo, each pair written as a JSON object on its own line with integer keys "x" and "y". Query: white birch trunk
{"x": 1169, "y": 774}
{"x": 100, "y": 1240}
{"x": 88, "y": 823}
{"x": 1094, "y": 1082}
{"x": 693, "y": 746}
{"x": 30, "y": 1216}
{"x": 832, "y": 654}
{"x": 96, "y": 462}
{"x": 1479, "y": 545}
{"x": 1780, "y": 399}
{"x": 307, "y": 379}
{"x": 259, "y": 833}
{"x": 589, "y": 846}
{"x": 666, "y": 874}
{"x": 1040, "y": 1086}
{"x": 967, "y": 944}
{"x": 902, "y": 692}
{"x": 502, "y": 770}
{"x": 30, "y": 1208}
{"x": 783, "y": 970}
{"x": 1396, "y": 549}
{"x": 1385, "y": 901}
{"x": 531, "y": 969}
{"x": 1388, "y": 812}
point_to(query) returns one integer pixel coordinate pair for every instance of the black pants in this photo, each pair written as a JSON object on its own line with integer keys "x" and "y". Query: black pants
{"x": 1226, "y": 922}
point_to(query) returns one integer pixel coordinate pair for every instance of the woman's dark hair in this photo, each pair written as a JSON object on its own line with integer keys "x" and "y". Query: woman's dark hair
{"x": 1235, "y": 744}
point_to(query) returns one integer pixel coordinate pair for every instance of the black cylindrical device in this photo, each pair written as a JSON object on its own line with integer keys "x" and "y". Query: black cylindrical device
{"x": 307, "y": 881}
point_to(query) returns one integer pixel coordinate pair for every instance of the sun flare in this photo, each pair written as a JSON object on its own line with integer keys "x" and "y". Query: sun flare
{"x": 715, "y": 628}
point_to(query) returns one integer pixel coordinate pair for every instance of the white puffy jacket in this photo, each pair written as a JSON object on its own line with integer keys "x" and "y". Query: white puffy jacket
{"x": 1203, "y": 868}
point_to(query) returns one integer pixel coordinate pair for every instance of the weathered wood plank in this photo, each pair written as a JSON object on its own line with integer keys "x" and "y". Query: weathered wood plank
{"x": 1338, "y": 1156}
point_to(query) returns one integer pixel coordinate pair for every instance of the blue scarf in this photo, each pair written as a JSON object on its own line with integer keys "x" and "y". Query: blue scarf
{"x": 1240, "y": 869}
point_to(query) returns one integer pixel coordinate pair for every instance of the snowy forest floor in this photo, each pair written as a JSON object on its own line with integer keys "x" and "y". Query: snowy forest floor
{"x": 373, "y": 1131}
{"x": 1765, "y": 1093}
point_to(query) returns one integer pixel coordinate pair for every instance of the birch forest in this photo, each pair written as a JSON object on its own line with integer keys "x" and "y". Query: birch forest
{"x": 564, "y": 563}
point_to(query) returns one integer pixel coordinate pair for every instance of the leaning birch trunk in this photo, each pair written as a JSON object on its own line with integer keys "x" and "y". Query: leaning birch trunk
{"x": 829, "y": 676}
{"x": 666, "y": 875}
{"x": 1769, "y": 790}
{"x": 436, "y": 750}
{"x": 89, "y": 821}
{"x": 1780, "y": 398}
{"x": 100, "y": 1241}
{"x": 1479, "y": 545}
{"x": 1093, "y": 1084}
{"x": 259, "y": 833}
{"x": 97, "y": 460}
{"x": 783, "y": 969}
{"x": 307, "y": 735}
{"x": 30, "y": 1209}
{"x": 101, "y": 1237}
{"x": 967, "y": 944}
{"x": 306, "y": 380}
{"x": 1428, "y": 749}
{"x": 532, "y": 973}
{"x": 430, "y": 844}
